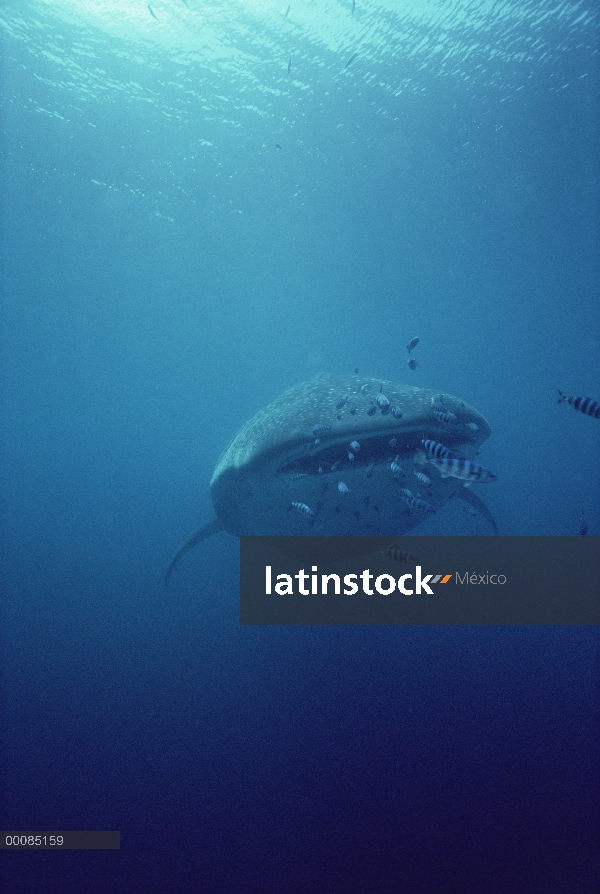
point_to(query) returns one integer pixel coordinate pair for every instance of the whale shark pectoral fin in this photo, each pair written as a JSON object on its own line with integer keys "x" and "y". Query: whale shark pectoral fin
{"x": 467, "y": 496}
{"x": 207, "y": 530}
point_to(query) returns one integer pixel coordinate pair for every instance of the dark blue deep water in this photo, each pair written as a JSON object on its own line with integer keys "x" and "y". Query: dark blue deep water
{"x": 187, "y": 230}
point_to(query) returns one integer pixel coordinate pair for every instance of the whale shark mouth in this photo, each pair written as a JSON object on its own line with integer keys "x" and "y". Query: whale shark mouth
{"x": 374, "y": 449}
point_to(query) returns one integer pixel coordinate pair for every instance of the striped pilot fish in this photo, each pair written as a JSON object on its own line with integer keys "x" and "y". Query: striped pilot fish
{"x": 442, "y": 414}
{"x": 302, "y": 508}
{"x": 583, "y": 404}
{"x": 464, "y": 469}
{"x": 399, "y": 555}
{"x": 422, "y": 478}
{"x": 418, "y": 504}
{"x": 437, "y": 450}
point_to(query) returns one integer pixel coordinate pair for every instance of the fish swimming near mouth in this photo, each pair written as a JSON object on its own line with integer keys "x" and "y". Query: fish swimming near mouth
{"x": 275, "y": 462}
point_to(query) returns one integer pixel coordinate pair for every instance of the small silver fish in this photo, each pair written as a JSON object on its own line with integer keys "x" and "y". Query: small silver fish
{"x": 343, "y": 489}
{"x": 355, "y": 446}
{"x": 396, "y": 412}
{"x": 335, "y": 466}
{"x": 289, "y": 66}
{"x": 370, "y": 468}
{"x": 412, "y": 363}
{"x": 472, "y": 425}
{"x": 412, "y": 344}
{"x": 341, "y": 403}
{"x": 393, "y": 442}
{"x": 350, "y": 456}
{"x": 382, "y": 402}
{"x": 371, "y": 409}
{"x": 352, "y": 409}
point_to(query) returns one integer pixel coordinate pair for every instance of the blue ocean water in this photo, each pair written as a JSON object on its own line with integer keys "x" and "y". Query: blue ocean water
{"x": 202, "y": 205}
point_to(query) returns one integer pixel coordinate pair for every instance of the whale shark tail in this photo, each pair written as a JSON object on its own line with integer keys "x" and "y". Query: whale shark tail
{"x": 207, "y": 530}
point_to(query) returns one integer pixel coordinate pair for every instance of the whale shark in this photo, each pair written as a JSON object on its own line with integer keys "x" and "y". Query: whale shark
{"x": 336, "y": 456}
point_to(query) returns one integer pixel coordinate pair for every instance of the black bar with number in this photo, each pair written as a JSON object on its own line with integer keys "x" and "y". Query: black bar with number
{"x": 59, "y": 841}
